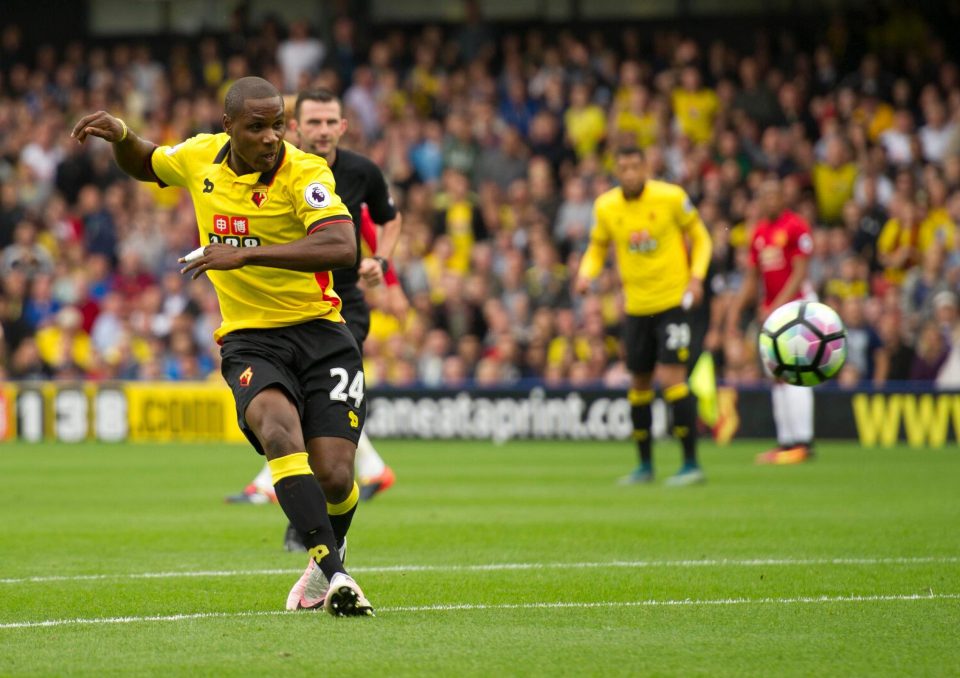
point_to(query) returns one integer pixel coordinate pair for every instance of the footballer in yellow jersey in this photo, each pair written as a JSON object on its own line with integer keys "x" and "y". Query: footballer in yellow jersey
{"x": 291, "y": 200}
{"x": 272, "y": 228}
{"x": 649, "y": 223}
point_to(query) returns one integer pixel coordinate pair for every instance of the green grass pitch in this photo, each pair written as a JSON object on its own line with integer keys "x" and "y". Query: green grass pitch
{"x": 522, "y": 559}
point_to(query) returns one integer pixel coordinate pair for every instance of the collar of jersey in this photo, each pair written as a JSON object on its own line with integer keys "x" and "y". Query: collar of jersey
{"x": 252, "y": 178}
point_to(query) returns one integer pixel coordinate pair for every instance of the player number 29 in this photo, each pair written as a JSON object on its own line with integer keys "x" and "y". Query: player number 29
{"x": 678, "y": 336}
{"x": 341, "y": 392}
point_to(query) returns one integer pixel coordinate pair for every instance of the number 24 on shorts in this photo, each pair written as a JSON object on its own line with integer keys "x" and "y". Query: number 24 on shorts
{"x": 341, "y": 392}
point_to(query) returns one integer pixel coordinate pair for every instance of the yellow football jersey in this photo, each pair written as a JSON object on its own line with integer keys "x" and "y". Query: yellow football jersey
{"x": 648, "y": 236}
{"x": 270, "y": 208}
{"x": 833, "y": 188}
{"x": 695, "y": 112}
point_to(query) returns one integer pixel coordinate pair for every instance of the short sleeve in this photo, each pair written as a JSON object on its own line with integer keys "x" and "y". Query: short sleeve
{"x": 171, "y": 164}
{"x": 314, "y": 195}
{"x": 378, "y": 197}
{"x": 803, "y": 238}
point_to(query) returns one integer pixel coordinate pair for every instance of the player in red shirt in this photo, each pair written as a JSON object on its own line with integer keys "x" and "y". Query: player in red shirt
{"x": 780, "y": 249}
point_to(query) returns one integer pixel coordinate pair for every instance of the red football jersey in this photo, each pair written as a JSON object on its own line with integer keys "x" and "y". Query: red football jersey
{"x": 774, "y": 246}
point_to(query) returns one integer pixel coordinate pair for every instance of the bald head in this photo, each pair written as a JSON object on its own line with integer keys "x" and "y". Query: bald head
{"x": 244, "y": 89}
{"x": 253, "y": 118}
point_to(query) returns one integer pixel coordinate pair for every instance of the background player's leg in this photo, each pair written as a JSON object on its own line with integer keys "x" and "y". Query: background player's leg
{"x": 781, "y": 417}
{"x": 369, "y": 463}
{"x": 264, "y": 479}
{"x": 640, "y": 396}
{"x": 683, "y": 404}
{"x": 799, "y": 410}
{"x": 373, "y": 474}
{"x": 640, "y": 344}
{"x": 793, "y": 415}
{"x": 258, "y": 491}
{"x": 276, "y": 423}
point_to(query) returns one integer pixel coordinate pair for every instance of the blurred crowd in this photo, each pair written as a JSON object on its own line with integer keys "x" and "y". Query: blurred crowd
{"x": 495, "y": 143}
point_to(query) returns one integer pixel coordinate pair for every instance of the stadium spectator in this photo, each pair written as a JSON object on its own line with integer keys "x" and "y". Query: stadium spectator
{"x": 584, "y": 121}
{"x": 930, "y": 355}
{"x": 299, "y": 56}
{"x": 833, "y": 181}
{"x": 502, "y": 144}
{"x": 25, "y": 254}
{"x": 694, "y": 106}
{"x": 938, "y": 132}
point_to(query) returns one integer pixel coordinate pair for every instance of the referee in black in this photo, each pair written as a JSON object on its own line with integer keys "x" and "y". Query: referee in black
{"x": 319, "y": 123}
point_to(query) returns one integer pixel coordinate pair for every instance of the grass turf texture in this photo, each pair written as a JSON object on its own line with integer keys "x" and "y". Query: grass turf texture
{"x": 118, "y": 510}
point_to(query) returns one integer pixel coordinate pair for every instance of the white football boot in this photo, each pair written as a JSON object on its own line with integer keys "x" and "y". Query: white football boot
{"x": 345, "y": 599}
{"x": 310, "y": 591}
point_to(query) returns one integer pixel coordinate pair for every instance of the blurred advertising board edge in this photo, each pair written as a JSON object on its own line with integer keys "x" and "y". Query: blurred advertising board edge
{"x": 119, "y": 412}
{"x": 201, "y": 412}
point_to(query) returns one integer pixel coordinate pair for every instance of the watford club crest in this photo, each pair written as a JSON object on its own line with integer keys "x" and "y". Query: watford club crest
{"x": 259, "y": 196}
{"x": 246, "y": 376}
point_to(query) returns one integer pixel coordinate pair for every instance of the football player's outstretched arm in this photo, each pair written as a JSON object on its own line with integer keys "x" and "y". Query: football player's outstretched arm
{"x": 331, "y": 247}
{"x": 132, "y": 152}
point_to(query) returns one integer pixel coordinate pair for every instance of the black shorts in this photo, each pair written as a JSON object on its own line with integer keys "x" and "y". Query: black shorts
{"x": 317, "y": 363}
{"x": 659, "y": 338}
{"x": 355, "y": 311}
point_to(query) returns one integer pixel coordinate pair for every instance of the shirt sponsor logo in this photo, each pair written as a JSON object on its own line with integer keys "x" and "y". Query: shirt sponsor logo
{"x": 239, "y": 226}
{"x": 641, "y": 241}
{"x": 221, "y": 224}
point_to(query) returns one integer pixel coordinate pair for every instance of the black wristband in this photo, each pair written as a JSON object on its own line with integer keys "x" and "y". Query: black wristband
{"x": 384, "y": 263}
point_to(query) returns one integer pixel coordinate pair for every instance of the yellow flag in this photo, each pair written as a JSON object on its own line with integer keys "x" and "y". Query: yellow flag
{"x": 703, "y": 383}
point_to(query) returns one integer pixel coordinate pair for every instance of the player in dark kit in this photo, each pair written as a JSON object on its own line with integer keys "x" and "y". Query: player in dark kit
{"x": 275, "y": 228}
{"x": 319, "y": 124}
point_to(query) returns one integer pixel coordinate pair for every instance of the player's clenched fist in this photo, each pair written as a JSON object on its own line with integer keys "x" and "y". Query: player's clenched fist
{"x": 100, "y": 124}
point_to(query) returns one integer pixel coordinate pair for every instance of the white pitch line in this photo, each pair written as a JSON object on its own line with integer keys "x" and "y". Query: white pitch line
{"x": 467, "y": 607}
{"x": 501, "y": 567}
